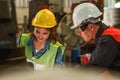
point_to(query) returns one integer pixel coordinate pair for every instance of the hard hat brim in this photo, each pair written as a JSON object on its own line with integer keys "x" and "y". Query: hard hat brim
{"x": 73, "y": 27}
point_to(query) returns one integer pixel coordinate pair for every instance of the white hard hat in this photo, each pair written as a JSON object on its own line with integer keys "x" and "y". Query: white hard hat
{"x": 84, "y": 11}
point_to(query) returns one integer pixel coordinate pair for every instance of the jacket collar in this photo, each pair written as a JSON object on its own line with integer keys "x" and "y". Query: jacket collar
{"x": 100, "y": 31}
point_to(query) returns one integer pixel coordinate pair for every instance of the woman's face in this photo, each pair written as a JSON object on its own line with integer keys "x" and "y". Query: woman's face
{"x": 41, "y": 34}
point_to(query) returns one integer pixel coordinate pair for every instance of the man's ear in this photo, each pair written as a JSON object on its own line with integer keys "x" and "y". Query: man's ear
{"x": 91, "y": 26}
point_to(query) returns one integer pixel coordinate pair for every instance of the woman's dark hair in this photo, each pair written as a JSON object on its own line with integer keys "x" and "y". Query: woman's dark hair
{"x": 53, "y": 35}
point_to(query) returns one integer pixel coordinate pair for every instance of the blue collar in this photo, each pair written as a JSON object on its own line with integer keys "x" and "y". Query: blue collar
{"x": 40, "y": 52}
{"x": 46, "y": 45}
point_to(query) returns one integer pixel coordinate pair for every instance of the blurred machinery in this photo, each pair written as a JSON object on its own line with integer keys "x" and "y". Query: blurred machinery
{"x": 59, "y": 7}
{"x": 112, "y": 16}
{"x": 8, "y": 25}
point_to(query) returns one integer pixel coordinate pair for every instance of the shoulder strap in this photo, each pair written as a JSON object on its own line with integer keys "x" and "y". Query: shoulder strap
{"x": 57, "y": 44}
{"x": 24, "y": 38}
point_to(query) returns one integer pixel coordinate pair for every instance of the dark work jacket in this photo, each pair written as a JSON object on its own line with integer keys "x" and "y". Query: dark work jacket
{"x": 107, "y": 50}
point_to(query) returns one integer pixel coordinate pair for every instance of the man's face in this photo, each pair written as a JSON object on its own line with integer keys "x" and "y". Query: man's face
{"x": 87, "y": 34}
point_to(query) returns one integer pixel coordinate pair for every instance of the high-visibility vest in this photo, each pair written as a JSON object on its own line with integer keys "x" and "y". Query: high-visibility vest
{"x": 48, "y": 58}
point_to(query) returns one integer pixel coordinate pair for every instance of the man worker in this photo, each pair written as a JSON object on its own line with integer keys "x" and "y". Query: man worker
{"x": 86, "y": 19}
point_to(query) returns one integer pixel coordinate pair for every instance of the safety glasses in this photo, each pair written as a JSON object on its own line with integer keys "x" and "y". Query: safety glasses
{"x": 83, "y": 26}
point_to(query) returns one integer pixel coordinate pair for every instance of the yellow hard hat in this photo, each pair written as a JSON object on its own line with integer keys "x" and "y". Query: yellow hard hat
{"x": 44, "y": 18}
